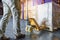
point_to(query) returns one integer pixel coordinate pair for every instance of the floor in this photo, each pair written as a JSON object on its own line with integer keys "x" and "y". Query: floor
{"x": 41, "y": 35}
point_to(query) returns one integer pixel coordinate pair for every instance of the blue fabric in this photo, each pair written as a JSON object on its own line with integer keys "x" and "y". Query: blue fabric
{"x": 38, "y": 2}
{"x": 45, "y": 1}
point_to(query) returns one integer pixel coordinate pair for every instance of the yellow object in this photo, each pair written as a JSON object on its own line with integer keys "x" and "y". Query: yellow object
{"x": 34, "y": 25}
{"x": 29, "y": 28}
{"x": 33, "y": 22}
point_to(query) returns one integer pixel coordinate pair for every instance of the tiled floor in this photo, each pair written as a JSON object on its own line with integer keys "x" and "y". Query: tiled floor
{"x": 43, "y": 35}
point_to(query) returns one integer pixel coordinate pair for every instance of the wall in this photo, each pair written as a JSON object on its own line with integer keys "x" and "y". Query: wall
{"x": 1, "y": 8}
{"x": 56, "y": 15}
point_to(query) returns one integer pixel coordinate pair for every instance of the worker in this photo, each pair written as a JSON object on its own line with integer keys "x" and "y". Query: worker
{"x": 11, "y": 8}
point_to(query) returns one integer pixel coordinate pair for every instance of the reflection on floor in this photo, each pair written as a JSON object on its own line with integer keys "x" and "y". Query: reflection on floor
{"x": 43, "y": 35}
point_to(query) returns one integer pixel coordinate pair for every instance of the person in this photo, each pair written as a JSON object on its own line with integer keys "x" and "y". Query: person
{"x": 11, "y": 7}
